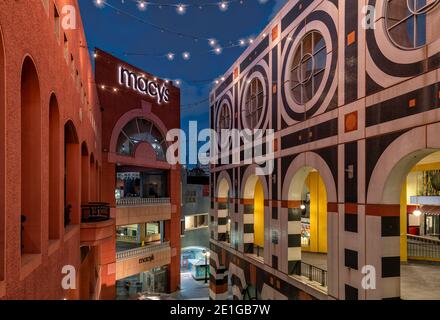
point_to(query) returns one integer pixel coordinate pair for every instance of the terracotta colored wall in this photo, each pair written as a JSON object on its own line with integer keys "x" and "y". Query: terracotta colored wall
{"x": 18, "y": 24}
{"x": 117, "y": 104}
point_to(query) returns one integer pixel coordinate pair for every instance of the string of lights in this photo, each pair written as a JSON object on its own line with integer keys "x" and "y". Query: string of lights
{"x": 175, "y": 81}
{"x": 213, "y": 43}
{"x": 116, "y": 90}
{"x": 180, "y": 7}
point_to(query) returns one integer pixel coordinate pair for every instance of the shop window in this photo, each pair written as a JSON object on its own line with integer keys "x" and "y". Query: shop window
{"x": 254, "y": 103}
{"x": 308, "y": 67}
{"x": 31, "y": 189}
{"x": 54, "y": 169}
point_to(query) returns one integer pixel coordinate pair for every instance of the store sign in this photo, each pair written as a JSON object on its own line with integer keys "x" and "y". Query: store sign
{"x": 146, "y": 259}
{"x": 143, "y": 85}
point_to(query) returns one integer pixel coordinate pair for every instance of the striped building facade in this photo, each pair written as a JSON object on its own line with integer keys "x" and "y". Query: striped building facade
{"x": 352, "y": 94}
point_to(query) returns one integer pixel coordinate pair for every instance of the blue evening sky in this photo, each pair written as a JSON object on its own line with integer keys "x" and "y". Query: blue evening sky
{"x": 118, "y": 34}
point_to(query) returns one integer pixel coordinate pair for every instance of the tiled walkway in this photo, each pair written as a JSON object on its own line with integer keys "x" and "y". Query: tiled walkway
{"x": 419, "y": 281}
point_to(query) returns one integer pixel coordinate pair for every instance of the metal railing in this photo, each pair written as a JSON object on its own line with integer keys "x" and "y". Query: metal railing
{"x": 423, "y": 248}
{"x": 126, "y": 238}
{"x": 95, "y": 212}
{"x": 141, "y": 251}
{"x": 133, "y": 202}
{"x": 314, "y": 273}
{"x": 258, "y": 251}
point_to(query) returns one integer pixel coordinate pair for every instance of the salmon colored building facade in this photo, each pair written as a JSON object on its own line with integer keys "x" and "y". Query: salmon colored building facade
{"x": 57, "y": 236}
{"x": 138, "y": 110}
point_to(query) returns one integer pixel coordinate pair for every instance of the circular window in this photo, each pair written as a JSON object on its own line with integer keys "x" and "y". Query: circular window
{"x": 224, "y": 120}
{"x": 308, "y": 67}
{"x": 406, "y": 21}
{"x": 253, "y": 107}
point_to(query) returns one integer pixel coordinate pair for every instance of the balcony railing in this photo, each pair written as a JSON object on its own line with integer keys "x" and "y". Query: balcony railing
{"x": 314, "y": 273}
{"x": 423, "y": 248}
{"x": 134, "y": 202}
{"x": 132, "y": 253}
{"x": 95, "y": 212}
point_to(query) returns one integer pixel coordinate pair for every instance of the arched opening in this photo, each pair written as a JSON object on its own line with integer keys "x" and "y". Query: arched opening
{"x": 54, "y": 169}
{"x": 97, "y": 179}
{"x": 92, "y": 183}
{"x": 223, "y": 193}
{"x": 413, "y": 185}
{"x": 71, "y": 174}
{"x": 307, "y": 226}
{"x": 30, "y": 159}
{"x": 254, "y": 217}
{"x": 85, "y": 173}
{"x": 2, "y": 158}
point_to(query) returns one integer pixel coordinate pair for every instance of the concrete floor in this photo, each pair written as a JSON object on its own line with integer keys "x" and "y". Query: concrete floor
{"x": 191, "y": 289}
{"x": 419, "y": 281}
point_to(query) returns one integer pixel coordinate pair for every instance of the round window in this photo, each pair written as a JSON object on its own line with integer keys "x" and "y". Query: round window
{"x": 406, "y": 21}
{"x": 253, "y": 107}
{"x": 308, "y": 67}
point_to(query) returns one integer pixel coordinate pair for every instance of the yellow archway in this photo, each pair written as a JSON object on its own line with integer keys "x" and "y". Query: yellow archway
{"x": 318, "y": 213}
{"x": 259, "y": 215}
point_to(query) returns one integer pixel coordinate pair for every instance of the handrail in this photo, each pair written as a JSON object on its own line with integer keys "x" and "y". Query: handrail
{"x": 95, "y": 212}
{"x": 127, "y": 254}
{"x": 314, "y": 273}
{"x": 423, "y": 239}
{"x": 128, "y": 202}
{"x": 423, "y": 248}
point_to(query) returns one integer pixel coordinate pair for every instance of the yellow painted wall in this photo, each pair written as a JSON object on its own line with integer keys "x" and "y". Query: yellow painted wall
{"x": 259, "y": 215}
{"x": 403, "y": 224}
{"x": 318, "y": 213}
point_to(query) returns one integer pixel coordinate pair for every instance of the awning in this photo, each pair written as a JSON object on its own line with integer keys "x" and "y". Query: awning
{"x": 430, "y": 210}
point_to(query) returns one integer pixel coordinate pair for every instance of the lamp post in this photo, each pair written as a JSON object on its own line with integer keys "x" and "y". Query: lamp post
{"x": 206, "y": 254}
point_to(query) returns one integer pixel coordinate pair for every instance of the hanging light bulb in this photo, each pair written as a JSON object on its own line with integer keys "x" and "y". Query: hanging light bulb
{"x": 212, "y": 42}
{"x": 177, "y": 82}
{"x": 303, "y": 206}
{"x": 142, "y": 5}
{"x": 251, "y": 40}
{"x": 417, "y": 212}
{"x": 181, "y": 9}
{"x": 223, "y": 6}
{"x": 218, "y": 50}
{"x": 186, "y": 55}
{"x": 170, "y": 56}
{"x": 99, "y": 3}
{"x": 242, "y": 42}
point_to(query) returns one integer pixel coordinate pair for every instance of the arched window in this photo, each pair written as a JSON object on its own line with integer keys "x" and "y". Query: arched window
{"x": 30, "y": 159}
{"x": 406, "y": 21}
{"x": 254, "y": 103}
{"x": 54, "y": 169}
{"x": 138, "y": 131}
{"x": 308, "y": 67}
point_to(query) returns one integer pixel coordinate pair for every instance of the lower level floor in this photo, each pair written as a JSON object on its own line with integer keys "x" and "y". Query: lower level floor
{"x": 248, "y": 277}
